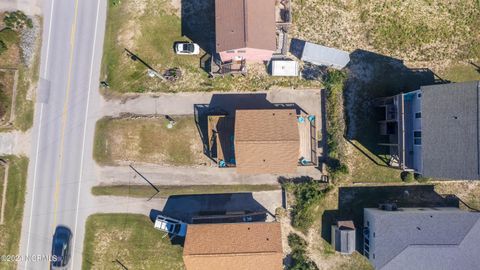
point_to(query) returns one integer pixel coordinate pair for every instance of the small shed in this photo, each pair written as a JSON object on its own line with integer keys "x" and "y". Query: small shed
{"x": 325, "y": 56}
{"x": 343, "y": 237}
{"x": 284, "y": 67}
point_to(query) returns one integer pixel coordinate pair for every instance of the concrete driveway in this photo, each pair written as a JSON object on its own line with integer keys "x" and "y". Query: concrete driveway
{"x": 183, "y": 103}
{"x": 184, "y": 207}
{"x": 170, "y": 175}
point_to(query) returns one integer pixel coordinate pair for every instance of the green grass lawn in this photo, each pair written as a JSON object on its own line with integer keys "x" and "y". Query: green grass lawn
{"x": 461, "y": 73}
{"x": 369, "y": 168}
{"x": 155, "y": 31}
{"x": 10, "y": 231}
{"x": 148, "y": 140}
{"x": 148, "y": 191}
{"x": 130, "y": 239}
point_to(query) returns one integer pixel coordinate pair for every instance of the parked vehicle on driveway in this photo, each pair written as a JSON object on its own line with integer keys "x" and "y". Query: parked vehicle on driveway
{"x": 187, "y": 48}
{"x": 171, "y": 226}
{"x": 61, "y": 247}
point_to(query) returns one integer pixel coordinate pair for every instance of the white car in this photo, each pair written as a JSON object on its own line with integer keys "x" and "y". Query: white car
{"x": 171, "y": 226}
{"x": 187, "y": 48}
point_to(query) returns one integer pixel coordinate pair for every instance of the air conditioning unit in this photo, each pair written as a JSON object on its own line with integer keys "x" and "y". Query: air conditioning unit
{"x": 388, "y": 206}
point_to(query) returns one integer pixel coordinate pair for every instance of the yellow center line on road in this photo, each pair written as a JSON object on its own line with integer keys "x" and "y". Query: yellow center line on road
{"x": 64, "y": 115}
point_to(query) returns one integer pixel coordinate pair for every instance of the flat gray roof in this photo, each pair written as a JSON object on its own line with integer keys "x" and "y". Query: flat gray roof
{"x": 321, "y": 55}
{"x": 450, "y": 131}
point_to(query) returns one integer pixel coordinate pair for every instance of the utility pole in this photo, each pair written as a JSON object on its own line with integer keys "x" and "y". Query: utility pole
{"x": 150, "y": 183}
{"x": 151, "y": 71}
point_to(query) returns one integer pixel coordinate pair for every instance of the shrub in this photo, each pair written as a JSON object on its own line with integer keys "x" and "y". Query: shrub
{"x": 420, "y": 178}
{"x": 296, "y": 242}
{"x": 407, "y": 177}
{"x": 300, "y": 260}
{"x": 3, "y": 47}
{"x": 334, "y": 84}
{"x": 17, "y": 20}
{"x": 307, "y": 196}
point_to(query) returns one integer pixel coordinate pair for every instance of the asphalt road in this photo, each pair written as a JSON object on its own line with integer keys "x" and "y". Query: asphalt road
{"x": 62, "y": 137}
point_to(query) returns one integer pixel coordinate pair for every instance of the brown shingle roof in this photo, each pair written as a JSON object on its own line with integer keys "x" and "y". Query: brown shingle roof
{"x": 266, "y": 141}
{"x": 239, "y": 246}
{"x": 245, "y": 24}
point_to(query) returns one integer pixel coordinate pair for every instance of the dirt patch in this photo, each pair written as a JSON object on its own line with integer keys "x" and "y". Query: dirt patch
{"x": 126, "y": 36}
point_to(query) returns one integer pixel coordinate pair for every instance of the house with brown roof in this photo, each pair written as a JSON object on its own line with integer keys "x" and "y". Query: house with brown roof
{"x": 257, "y": 141}
{"x": 234, "y": 246}
{"x": 245, "y": 29}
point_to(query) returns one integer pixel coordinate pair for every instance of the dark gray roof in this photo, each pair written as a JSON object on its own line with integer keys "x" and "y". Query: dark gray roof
{"x": 450, "y": 131}
{"x": 430, "y": 238}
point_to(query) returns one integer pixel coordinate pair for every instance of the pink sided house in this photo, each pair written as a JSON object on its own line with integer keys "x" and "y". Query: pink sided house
{"x": 245, "y": 30}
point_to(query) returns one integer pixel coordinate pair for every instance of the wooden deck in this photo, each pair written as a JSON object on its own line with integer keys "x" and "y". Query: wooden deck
{"x": 308, "y": 141}
{"x": 233, "y": 67}
{"x": 220, "y": 138}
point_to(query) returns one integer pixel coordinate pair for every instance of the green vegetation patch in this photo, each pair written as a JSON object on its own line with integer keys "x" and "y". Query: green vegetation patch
{"x": 15, "y": 200}
{"x": 300, "y": 261}
{"x": 334, "y": 85}
{"x": 17, "y": 20}
{"x": 462, "y": 72}
{"x": 369, "y": 168}
{"x": 130, "y": 239}
{"x": 10, "y": 50}
{"x": 144, "y": 191}
{"x": 308, "y": 196}
{"x": 148, "y": 140}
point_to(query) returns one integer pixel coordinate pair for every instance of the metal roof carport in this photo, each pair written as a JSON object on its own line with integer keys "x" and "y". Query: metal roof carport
{"x": 325, "y": 56}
